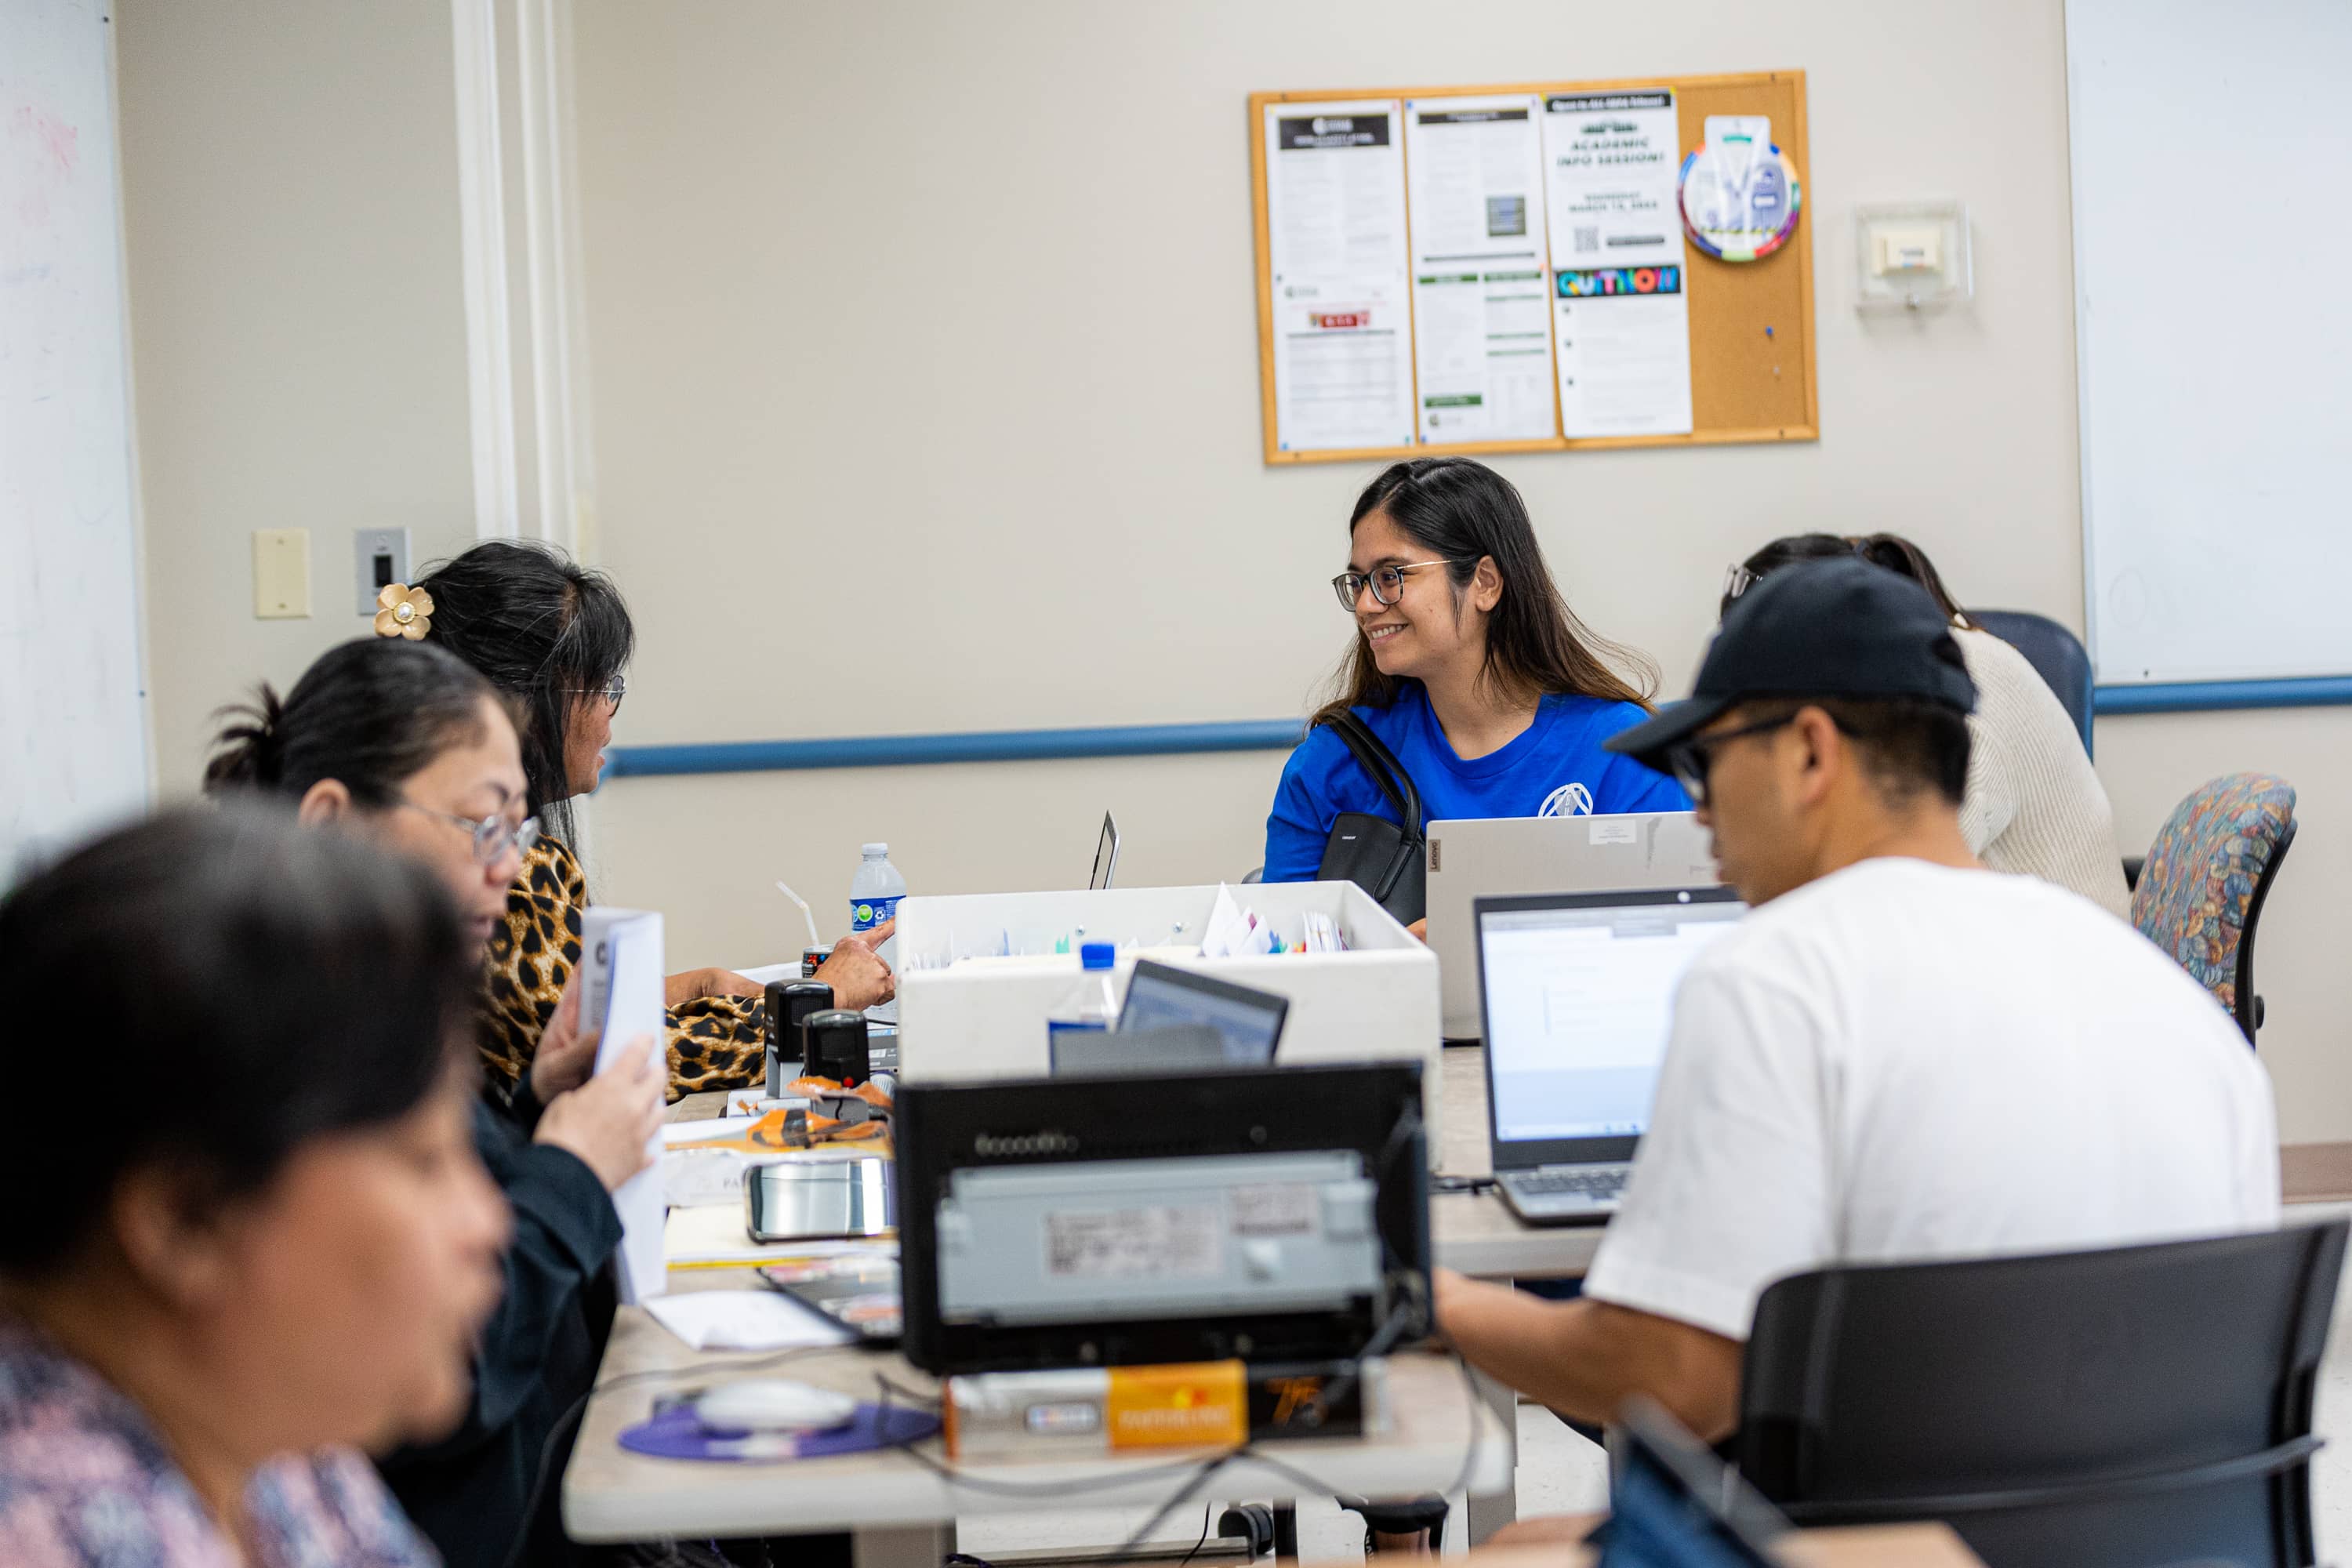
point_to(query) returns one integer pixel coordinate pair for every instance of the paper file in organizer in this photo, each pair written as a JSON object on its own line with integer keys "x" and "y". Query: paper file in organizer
{"x": 621, "y": 981}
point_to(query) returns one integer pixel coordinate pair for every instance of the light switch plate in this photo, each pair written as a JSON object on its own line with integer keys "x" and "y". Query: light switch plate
{"x": 382, "y": 555}
{"x": 282, "y": 574}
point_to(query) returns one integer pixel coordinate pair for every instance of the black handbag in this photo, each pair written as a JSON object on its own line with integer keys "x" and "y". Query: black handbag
{"x": 1384, "y": 860}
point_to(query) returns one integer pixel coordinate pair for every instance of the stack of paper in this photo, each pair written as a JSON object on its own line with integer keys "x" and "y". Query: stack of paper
{"x": 622, "y": 988}
{"x": 743, "y": 1321}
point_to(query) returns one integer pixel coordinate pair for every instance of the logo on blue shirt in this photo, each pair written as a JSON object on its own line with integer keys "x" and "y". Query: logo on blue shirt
{"x": 1568, "y": 800}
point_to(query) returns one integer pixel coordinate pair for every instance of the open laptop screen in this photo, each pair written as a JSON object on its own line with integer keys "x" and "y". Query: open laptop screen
{"x": 1579, "y": 993}
{"x": 1248, "y": 1022}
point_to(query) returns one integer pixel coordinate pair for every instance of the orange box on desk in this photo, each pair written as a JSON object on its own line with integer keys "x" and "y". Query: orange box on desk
{"x": 1200, "y": 1404}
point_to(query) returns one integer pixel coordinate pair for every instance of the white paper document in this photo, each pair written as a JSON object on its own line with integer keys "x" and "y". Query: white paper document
{"x": 621, "y": 983}
{"x": 1480, "y": 332}
{"x": 743, "y": 1321}
{"x": 1610, "y": 166}
{"x": 1335, "y": 205}
{"x": 1619, "y": 317}
{"x": 1623, "y": 349}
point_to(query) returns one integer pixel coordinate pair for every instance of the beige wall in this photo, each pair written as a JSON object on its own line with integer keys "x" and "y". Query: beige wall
{"x": 952, "y": 306}
{"x": 298, "y": 334}
{"x": 950, "y": 309}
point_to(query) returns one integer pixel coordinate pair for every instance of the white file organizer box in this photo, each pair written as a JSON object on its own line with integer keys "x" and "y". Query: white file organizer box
{"x": 978, "y": 975}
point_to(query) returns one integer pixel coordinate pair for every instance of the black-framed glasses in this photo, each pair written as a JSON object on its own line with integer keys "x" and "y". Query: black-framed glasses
{"x": 1387, "y": 583}
{"x": 493, "y": 836}
{"x": 612, "y": 691}
{"x": 1689, "y": 761}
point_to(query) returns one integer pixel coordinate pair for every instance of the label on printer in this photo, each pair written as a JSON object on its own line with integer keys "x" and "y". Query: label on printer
{"x": 1275, "y": 1208}
{"x": 1164, "y": 1241}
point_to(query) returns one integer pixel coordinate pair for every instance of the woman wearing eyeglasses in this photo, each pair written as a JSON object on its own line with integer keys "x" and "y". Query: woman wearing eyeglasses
{"x": 555, "y": 639}
{"x": 1469, "y": 665}
{"x": 403, "y": 746}
{"x": 2034, "y": 805}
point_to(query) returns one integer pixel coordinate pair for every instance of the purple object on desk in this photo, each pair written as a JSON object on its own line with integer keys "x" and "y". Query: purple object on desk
{"x": 679, "y": 1434}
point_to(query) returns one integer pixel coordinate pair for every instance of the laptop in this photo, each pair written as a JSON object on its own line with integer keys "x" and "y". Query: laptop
{"x": 1106, "y": 1053}
{"x": 1248, "y": 1022}
{"x": 1105, "y": 856}
{"x": 1673, "y": 1504}
{"x": 1578, "y": 990}
{"x": 1475, "y": 857}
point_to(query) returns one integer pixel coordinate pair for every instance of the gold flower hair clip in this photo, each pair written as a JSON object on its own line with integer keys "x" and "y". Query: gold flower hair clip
{"x": 405, "y": 612}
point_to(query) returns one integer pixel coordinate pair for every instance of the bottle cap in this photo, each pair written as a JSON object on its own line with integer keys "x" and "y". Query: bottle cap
{"x": 1098, "y": 955}
{"x": 874, "y": 852}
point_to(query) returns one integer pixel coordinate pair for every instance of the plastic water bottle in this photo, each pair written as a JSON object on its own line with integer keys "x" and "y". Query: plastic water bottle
{"x": 874, "y": 895}
{"x": 1093, "y": 1005}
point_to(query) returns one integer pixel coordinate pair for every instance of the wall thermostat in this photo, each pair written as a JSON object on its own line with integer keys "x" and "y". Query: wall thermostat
{"x": 1912, "y": 255}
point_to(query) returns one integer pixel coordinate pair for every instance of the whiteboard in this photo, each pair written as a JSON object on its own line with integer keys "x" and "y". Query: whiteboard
{"x": 73, "y": 721}
{"x": 2213, "y": 332}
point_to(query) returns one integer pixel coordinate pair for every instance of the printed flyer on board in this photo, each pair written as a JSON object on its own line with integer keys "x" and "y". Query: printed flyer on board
{"x": 1621, "y": 319}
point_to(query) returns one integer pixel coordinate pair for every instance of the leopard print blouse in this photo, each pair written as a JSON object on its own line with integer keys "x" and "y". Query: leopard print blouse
{"x": 715, "y": 1042}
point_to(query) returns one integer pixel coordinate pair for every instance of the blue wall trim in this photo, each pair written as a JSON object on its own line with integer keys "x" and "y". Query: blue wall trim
{"x": 978, "y": 746}
{"x": 1274, "y": 735}
{"x": 2202, "y": 696}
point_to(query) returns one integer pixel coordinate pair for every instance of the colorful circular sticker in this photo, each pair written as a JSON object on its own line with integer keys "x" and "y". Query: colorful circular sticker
{"x": 1740, "y": 199}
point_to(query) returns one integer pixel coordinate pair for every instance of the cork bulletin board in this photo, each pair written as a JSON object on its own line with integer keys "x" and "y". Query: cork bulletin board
{"x": 1371, "y": 345}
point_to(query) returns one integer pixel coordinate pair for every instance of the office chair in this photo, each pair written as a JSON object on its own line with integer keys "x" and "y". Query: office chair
{"x": 2206, "y": 878}
{"x": 2050, "y": 649}
{"x": 2111, "y": 1409}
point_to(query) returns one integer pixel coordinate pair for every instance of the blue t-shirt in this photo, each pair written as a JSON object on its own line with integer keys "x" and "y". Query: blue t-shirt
{"x": 1556, "y": 768}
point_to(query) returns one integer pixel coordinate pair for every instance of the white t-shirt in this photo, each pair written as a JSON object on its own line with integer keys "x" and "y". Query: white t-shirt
{"x": 1907, "y": 1061}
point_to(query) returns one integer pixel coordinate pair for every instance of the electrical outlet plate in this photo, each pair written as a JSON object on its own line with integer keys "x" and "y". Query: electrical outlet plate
{"x": 382, "y": 557}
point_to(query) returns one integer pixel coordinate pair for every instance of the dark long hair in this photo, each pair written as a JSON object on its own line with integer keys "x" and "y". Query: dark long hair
{"x": 290, "y": 986}
{"x": 1891, "y": 551}
{"x": 372, "y": 712}
{"x": 1459, "y": 511}
{"x": 545, "y": 630}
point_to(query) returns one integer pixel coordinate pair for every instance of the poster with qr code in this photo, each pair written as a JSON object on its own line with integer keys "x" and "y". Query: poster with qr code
{"x": 1621, "y": 322}
{"x": 1611, "y": 162}
{"x": 1482, "y": 355}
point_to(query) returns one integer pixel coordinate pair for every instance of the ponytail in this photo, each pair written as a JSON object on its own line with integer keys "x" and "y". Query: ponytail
{"x": 372, "y": 714}
{"x": 248, "y": 753}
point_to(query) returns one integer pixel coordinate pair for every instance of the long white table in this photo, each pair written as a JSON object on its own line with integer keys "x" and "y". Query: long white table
{"x": 902, "y": 1512}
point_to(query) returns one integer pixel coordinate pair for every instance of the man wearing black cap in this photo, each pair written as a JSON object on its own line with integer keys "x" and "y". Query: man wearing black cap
{"x": 1897, "y": 1053}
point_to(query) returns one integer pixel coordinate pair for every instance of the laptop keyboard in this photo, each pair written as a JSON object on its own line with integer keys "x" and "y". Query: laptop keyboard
{"x": 1600, "y": 1183}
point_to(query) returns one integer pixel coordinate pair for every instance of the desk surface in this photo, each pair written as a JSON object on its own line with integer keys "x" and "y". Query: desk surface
{"x": 1862, "y": 1546}
{"x": 1474, "y": 1234}
{"x": 1477, "y": 1235}
{"x": 611, "y": 1495}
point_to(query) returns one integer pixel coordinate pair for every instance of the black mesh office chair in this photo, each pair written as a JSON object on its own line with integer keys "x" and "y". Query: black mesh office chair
{"x": 2128, "y": 1408}
{"x": 2053, "y": 652}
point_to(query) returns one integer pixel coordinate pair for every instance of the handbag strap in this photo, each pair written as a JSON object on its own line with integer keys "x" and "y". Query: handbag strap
{"x": 1380, "y": 764}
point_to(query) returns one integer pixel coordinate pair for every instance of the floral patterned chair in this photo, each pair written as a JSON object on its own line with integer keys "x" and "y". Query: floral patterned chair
{"x": 2203, "y": 887}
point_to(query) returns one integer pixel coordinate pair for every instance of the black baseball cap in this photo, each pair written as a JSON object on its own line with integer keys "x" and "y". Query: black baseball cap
{"x": 1825, "y": 628}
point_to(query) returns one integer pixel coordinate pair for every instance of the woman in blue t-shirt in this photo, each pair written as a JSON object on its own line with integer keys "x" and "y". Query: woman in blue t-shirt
{"x": 1470, "y": 666}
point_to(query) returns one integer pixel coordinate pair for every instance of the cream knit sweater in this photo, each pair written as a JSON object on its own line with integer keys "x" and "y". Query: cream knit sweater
{"x": 2034, "y": 806}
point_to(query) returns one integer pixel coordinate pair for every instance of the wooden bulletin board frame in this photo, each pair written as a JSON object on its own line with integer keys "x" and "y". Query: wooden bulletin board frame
{"x": 1735, "y": 394}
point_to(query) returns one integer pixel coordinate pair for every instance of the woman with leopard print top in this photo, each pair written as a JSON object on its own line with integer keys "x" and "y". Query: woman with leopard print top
{"x": 555, "y": 639}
